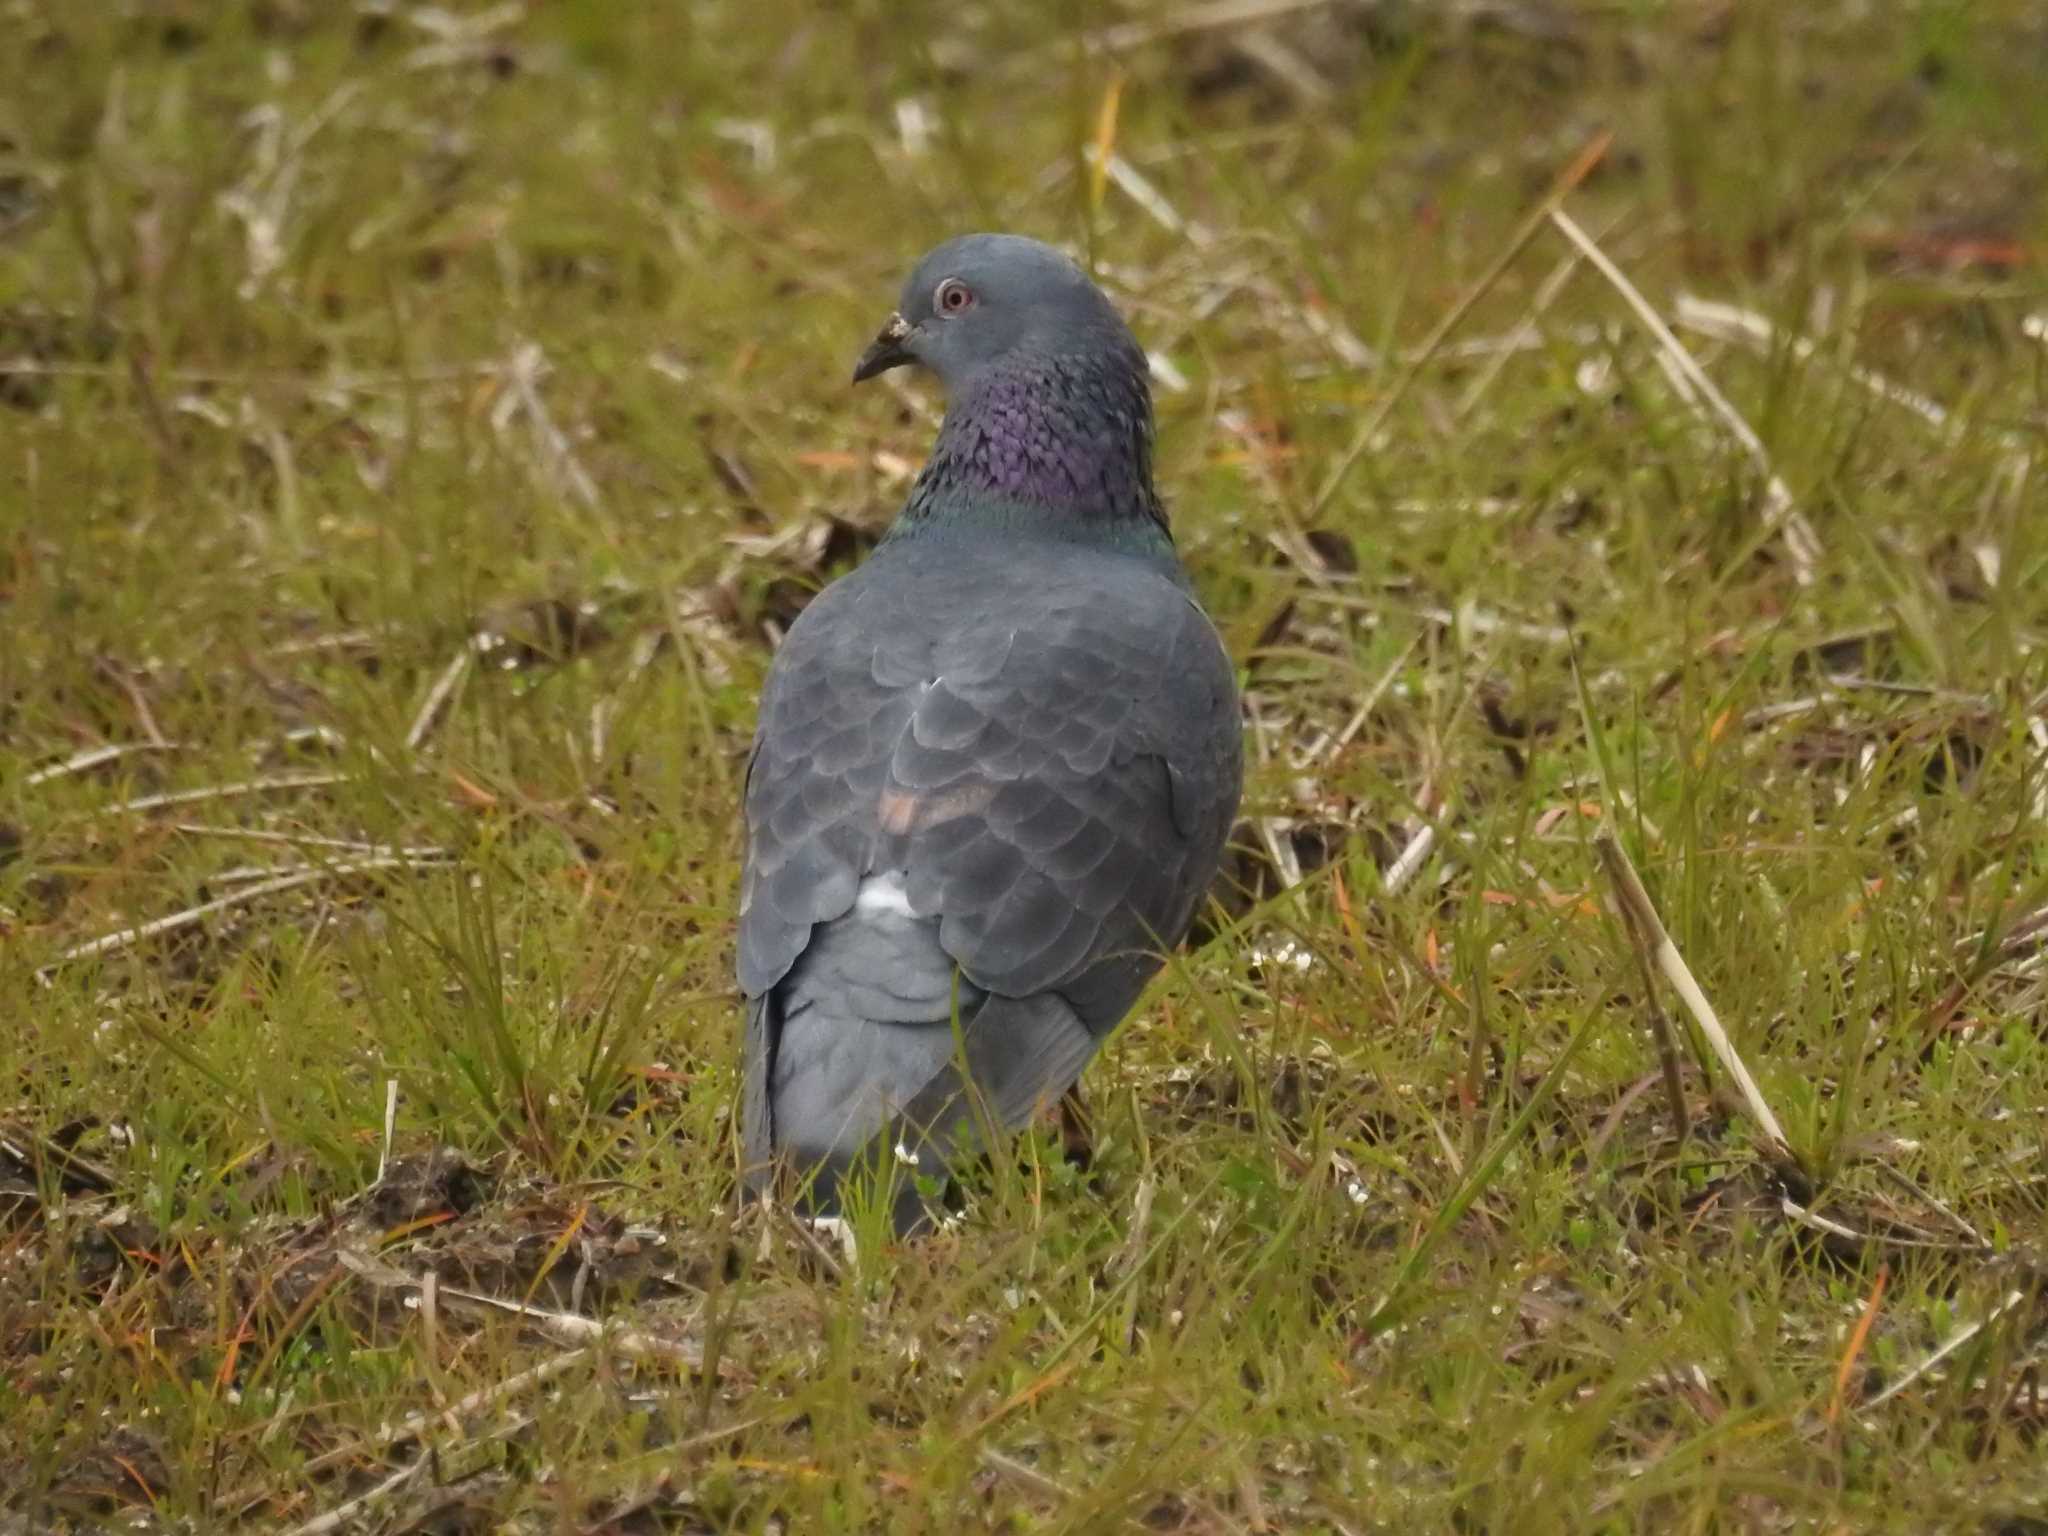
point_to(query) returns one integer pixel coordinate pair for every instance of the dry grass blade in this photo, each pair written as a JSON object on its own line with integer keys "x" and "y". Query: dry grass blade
{"x": 145, "y": 715}
{"x": 1994, "y": 948}
{"x": 338, "y": 1517}
{"x": 94, "y": 757}
{"x": 1329, "y": 745}
{"x": 418, "y": 1425}
{"x": 1728, "y": 322}
{"x": 439, "y": 694}
{"x": 574, "y": 1328}
{"x": 1938, "y": 1205}
{"x": 1263, "y": 47}
{"x": 1207, "y": 17}
{"x": 312, "y": 840}
{"x": 528, "y": 363}
{"x": 1642, "y": 942}
{"x": 1274, "y": 831}
{"x": 269, "y": 784}
{"x": 1580, "y": 168}
{"x": 1024, "y": 1475}
{"x": 1828, "y": 1226}
{"x": 124, "y": 937}
{"x": 1138, "y": 187}
{"x": 390, "y": 1125}
{"x": 1408, "y": 863}
{"x": 1554, "y": 283}
{"x": 1854, "y": 1350}
{"x": 1141, "y": 1220}
{"x": 1642, "y": 912}
{"x": 31, "y": 1150}
{"x": 1699, "y": 391}
{"x": 1947, "y": 1348}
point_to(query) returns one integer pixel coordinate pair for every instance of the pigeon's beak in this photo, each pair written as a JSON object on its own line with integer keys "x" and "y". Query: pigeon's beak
{"x": 886, "y": 351}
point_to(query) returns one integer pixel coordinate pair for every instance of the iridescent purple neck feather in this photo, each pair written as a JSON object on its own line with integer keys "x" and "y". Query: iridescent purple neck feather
{"x": 1063, "y": 439}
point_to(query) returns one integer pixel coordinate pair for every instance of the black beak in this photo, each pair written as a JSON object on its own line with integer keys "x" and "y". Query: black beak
{"x": 886, "y": 351}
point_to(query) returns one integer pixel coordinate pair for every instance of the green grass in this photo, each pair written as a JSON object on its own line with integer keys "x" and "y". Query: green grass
{"x": 333, "y": 337}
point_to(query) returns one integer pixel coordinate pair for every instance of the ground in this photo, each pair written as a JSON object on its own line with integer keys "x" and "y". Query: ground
{"x": 1597, "y": 429}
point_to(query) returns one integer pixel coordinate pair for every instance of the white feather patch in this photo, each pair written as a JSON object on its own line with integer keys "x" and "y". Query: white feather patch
{"x": 883, "y": 893}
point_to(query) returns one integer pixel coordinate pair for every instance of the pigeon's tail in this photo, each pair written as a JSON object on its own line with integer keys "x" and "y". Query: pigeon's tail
{"x": 855, "y": 1057}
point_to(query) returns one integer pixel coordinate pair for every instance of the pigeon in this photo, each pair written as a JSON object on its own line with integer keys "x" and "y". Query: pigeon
{"x": 995, "y": 764}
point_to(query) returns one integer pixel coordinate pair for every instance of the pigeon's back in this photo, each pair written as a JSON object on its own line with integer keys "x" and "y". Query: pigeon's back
{"x": 991, "y": 783}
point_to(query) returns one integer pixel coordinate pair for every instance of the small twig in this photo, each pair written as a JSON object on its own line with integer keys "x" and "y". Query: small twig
{"x": 1635, "y": 901}
{"x": 1273, "y": 830}
{"x": 1725, "y": 322}
{"x": 242, "y": 874}
{"x": 1141, "y": 1218}
{"x": 1330, "y": 746}
{"x": 2016, "y": 938}
{"x": 1642, "y": 942}
{"x": 2008, "y": 947}
{"x": 154, "y": 415}
{"x": 276, "y": 781}
{"x": 1801, "y": 542}
{"x": 811, "y": 1232}
{"x": 1183, "y": 20}
{"x": 524, "y": 370}
{"x": 1135, "y": 185}
{"x": 309, "y": 840}
{"x": 1580, "y": 168}
{"x": 1949, "y": 1346}
{"x": 564, "y": 1327}
{"x": 1264, "y": 48}
{"x": 33, "y": 1149}
{"x": 438, "y": 695}
{"x": 1025, "y": 1476}
{"x": 319, "y": 645}
{"x": 390, "y": 1125}
{"x": 1410, "y": 860}
{"x": 1832, "y": 1228}
{"x": 124, "y": 937}
{"x": 341, "y": 1514}
{"x": 94, "y": 757}
{"x": 1554, "y": 283}
{"x": 1611, "y": 1122}
{"x": 1898, "y": 1177}
{"x": 144, "y": 715}
{"x": 573, "y": 1328}
{"x": 413, "y": 1426}
{"x": 1479, "y": 621}
{"x": 1858, "y": 1337}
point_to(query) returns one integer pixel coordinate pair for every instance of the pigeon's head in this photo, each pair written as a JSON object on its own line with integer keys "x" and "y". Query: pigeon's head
{"x": 978, "y": 299}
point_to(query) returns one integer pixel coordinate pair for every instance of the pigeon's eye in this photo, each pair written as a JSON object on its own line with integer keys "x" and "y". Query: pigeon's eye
{"x": 952, "y": 296}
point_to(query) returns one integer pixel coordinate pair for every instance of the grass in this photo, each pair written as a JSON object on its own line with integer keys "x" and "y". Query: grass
{"x": 417, "y": 423}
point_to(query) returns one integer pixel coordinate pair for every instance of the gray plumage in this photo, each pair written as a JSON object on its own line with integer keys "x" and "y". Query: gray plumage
{"x": 995, "y": 765}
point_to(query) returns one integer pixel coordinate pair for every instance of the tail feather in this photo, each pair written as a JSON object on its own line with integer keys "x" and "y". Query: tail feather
{"x": 853, "y": 1061}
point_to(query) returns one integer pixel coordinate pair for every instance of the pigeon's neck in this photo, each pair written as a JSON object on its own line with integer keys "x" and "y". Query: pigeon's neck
{"x": 1061, "y": 445}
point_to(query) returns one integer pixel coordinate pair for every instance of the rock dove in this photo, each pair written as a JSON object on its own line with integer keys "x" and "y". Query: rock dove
{"x": 995, "y": 765}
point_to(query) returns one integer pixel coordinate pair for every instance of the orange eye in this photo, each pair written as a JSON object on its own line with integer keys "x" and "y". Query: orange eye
{"x": 952, "y": 296}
